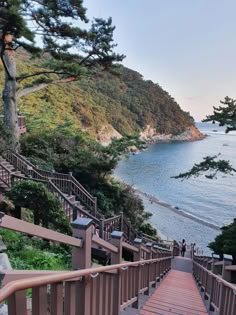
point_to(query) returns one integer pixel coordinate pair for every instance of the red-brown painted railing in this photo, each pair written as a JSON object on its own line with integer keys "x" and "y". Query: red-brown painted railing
{"x": 220, "y": 293}
{"x": 5, "y": 175}
{"x": 21, "y": 124}
{"x": 92, "y": 291}
{"x": 65, "y": 182}
{"x": 104, "y": 284}
{"x": 62, "y": 184}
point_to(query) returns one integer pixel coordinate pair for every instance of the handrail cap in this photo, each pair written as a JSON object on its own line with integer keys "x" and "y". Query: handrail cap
{"x": 82, "y": 223}
{"x": 216, "y": 256}
{"x": 117, "y": 234}
{"x": 227, "y": 257}
{"x": 138, "y": 240}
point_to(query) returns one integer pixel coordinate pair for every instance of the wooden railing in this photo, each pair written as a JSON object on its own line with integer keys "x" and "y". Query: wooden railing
{"x": 62, "y": 184}
{"x": 90, "y": 291}
{"x": 65, "y": 182}
{"x": 108, "y": 289}
{"x": 21, "y": 124}
{"x": 5, "y": 175}
{"x": 220, "y": 294}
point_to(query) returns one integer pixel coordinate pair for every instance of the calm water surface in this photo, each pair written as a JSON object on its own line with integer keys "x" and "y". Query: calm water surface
{"x": 210, "y": 201}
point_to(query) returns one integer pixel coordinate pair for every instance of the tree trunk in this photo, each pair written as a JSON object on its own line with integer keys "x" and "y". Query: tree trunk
{"x": 9, "y": 98}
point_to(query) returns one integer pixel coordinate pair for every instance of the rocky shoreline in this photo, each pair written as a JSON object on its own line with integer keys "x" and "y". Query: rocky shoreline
{"x": 149, "y": 135}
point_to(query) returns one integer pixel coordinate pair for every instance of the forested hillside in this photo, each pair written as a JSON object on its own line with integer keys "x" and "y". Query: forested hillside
{"x": 122, "y": 100}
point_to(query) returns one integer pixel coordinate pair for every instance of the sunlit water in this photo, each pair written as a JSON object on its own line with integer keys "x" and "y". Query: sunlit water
{"x": 211, "y": 201}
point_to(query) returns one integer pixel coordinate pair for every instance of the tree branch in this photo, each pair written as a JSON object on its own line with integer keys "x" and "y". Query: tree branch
{"x": 42, "y": 86}
{"x": 21, "y": 78}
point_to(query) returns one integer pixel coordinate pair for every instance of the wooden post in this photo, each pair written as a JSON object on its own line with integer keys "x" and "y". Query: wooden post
{"x": 116, "y": 258}
{"x": 215, "y": 258}
{"x": 81, "y": 259}
{"x": 148, "y": 256}
{"x": 138, "y": 257}
{"x": 226, "y": 274}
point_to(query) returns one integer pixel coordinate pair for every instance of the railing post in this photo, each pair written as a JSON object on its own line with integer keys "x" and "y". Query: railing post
{"x": 215, "y": 258}
{"x": 17, "y": 303}
{"x": 95, "y": 206}
{"x": 70, "y": 184}
{"x": 148, "y": 256}
{"x": 226, "y": 274}
{"x": 121, "y": 221}
{"x": 222, "y": 299}
{"x": 101, "y": 229}
{"x": 116, "y": 258}
{"x": 138, "y": 257}
{"x": 81, "y": 259}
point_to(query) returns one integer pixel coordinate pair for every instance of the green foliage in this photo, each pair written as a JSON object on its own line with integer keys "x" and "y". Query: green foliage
{"x": 57, "y": 26}
{"x": 210, "y": 165}
{"x": 225, "y": 115}
{"x": 45, "y": 206}
{"x": 225, "y": 243}
{"x": 131, "y": 103}
{"x": 67, "y": 151}
{"x": 4, "y": 137}
{"x": 26, "y": 253}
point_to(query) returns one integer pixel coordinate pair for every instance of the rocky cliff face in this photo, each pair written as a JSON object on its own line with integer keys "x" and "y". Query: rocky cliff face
{"x": 190, "y": 134}
{"x": 150, "y": 135}
{"x": 106, "y": 133}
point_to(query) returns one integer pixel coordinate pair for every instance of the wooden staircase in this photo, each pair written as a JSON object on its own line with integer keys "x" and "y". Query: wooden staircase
{"x": 75, "y": 199}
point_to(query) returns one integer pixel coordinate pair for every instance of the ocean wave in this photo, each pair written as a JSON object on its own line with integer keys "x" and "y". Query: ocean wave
{"x": 177, "y": 210}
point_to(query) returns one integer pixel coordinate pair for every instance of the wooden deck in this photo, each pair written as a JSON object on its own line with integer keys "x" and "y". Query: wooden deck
{"x": 177, "y": 294}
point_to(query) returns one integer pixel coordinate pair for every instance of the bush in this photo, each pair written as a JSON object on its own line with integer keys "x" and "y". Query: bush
{"x": 45, "y": 206}
{"x": 225, "y": 243}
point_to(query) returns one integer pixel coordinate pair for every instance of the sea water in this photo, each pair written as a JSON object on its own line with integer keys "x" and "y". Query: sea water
{"x": 194, "y": 208}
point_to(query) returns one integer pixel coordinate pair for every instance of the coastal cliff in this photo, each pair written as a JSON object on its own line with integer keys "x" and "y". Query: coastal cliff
{"x": 105, "y": 105}
{"x": 150, "y": 135}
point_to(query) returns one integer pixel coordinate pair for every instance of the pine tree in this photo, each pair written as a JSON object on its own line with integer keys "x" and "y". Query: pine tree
{"x": 60, "y": 28}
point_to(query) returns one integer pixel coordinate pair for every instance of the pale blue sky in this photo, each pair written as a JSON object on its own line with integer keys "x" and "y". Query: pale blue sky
{"x": 187, "y": 46}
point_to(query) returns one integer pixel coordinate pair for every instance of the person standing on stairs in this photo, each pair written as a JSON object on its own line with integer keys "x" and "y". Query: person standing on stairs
{"x": 183, "y": 248}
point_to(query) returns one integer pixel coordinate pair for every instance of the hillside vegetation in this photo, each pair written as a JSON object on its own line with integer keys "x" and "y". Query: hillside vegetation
{"x": 58, "y": 114}
{"x": 123, "y": 101}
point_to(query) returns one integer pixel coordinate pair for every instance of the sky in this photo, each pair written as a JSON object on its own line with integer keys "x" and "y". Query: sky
{"x": 188, "y": 47}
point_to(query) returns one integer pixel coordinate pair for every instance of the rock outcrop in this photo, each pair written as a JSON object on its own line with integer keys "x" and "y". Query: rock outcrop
{"x": 150, "y": 135}
{"x": 190, "y": 134}
{"x": 106, "y": 134}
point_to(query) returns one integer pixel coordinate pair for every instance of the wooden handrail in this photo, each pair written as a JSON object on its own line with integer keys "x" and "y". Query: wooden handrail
{"x": 17, "y": 225}
{"x": 100, "y": 242}
{"x": 220, "y": 293}
{"x": 130, "y": 247}
{"x": 65, "y": 182}
{"x": 4, "y": 171}
{"x": 61, "y": 184}
{"x": 53, "y": 188}
{"x": 24, "y": 284}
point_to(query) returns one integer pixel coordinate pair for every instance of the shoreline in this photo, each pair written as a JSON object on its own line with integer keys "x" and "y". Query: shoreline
{"x": 155, "y": 200}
